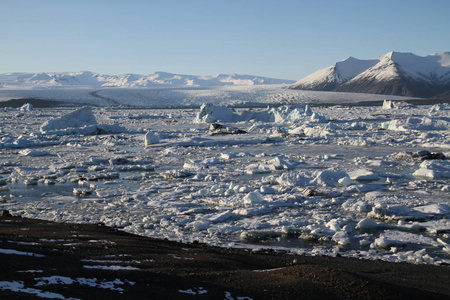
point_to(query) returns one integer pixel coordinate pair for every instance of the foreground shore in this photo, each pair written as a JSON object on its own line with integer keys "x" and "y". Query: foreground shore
{"x": 42, "y": 259}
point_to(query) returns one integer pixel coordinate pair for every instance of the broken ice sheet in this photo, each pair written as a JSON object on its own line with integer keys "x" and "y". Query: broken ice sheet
{"x": 275, "y": 183}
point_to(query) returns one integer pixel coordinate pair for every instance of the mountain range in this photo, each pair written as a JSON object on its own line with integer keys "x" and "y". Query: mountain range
{"x": 158, "y": 79}
{"x": 395, "y": 73}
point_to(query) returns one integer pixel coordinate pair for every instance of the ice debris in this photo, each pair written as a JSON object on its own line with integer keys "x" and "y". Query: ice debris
{"x": 390, "y": 104}
{"x": 210, "y": 113}
{"x": 434, "y": 169}
{"x": 331, "y": 178}
{"x": 417, "y": 123}
{"x": 253, "y": 198}
{"x": 27, "y": 107}
{"x": 33, "y": 153}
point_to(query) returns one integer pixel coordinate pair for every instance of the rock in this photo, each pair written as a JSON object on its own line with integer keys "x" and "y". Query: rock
{"x": 118, "y": 161}
{"x": 5, "y": 213}
{"x": 216, "y": 129}
{"x": 418, "y": 155}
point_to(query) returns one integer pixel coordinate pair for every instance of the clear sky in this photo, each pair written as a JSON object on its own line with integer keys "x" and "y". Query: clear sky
{"x": 286, "y": 39}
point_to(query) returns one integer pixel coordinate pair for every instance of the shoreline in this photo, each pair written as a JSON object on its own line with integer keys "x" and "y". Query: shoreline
{"x": 35, "y": 252}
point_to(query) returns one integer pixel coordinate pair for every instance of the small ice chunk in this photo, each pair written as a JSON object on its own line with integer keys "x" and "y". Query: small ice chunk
{"x": 341, "y": 238}
{"x": 221, "y": 217}
{"x": 293, "y": 179}
{"x": 344, "y": 181}
{"x": 435, "y": 208}
{"x": 151, "y": 138}
{"x": 395, "y": 104}
{"x": 446, "y": 245}
{"x": 329, "y": 178}
{"x": 385, "y": 243}
{"x": 434, "y": 169}
{"x": 362, "y": 174}
{"x": 33, "y": 153}
{"x": 267, "y": 190}
{"x": 253, "y": 198}
{"x": 27, "y": 107}
{"x": 367, "y": 224}
{"x": 334, "y": 224}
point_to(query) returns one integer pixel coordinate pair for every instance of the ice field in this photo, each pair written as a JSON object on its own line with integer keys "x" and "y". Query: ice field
{"x": 352, "y": 180}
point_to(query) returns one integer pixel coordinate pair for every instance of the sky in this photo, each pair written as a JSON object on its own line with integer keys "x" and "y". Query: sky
{"x": 286, "y": 39}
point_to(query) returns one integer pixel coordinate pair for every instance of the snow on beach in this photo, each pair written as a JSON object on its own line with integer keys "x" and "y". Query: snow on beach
{"x": 359, "y": 181}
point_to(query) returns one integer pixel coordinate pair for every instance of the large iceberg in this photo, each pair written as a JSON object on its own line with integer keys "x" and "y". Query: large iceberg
{"x": 81, "y": 121}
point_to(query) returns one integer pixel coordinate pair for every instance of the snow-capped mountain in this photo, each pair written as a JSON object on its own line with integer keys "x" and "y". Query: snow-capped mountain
{"x": 394, "y": 73}
{"x": 90, "y": 79}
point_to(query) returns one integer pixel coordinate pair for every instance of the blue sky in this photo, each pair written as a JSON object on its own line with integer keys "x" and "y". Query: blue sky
{"x": 281, "y": 39}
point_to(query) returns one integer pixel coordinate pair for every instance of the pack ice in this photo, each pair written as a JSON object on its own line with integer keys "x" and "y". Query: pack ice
{"x": 360, "y": 181}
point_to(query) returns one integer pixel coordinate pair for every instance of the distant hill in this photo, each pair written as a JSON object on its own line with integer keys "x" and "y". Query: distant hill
{"x": 395, "y": 73}
{"x": 90, "y": 79}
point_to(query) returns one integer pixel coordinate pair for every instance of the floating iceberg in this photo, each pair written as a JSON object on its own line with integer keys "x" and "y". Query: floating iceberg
{"x": 81, "y": 121}
{"x": 434, "y": 169}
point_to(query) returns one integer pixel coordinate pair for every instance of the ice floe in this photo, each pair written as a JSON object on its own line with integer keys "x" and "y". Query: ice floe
{"x": 434, "y": 169}
{"x": 323, "y": 180}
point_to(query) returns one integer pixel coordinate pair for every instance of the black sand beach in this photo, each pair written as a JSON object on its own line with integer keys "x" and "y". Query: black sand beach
{"x": 57, "y": 260}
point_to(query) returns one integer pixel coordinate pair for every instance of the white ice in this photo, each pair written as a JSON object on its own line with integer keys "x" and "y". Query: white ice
{"x": 352, "y": 185}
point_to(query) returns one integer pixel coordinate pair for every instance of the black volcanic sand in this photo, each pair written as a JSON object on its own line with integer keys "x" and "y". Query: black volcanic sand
{"x": 170, "y": 270}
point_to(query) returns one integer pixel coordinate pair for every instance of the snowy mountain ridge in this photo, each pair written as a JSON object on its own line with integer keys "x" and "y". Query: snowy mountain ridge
{"x": 158, "y": 79}
{"x": 394, "y": 73}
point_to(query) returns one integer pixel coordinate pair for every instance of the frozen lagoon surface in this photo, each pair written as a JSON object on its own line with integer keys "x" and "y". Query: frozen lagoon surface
{"x": 369, "y": 182}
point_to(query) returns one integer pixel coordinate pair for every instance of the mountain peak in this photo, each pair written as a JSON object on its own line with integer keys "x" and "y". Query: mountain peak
{"x": 399, "y": 73}
{"x": 96, "y": 80}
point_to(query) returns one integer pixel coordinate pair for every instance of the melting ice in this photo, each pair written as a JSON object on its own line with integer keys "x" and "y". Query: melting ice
{"x": 359, "y": 181}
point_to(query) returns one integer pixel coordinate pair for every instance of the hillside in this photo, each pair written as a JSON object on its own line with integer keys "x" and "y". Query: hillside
{"x": 395, "y": 73}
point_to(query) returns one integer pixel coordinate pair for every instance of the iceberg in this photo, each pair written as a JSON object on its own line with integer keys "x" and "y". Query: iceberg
{"x": 81, "y": 121}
